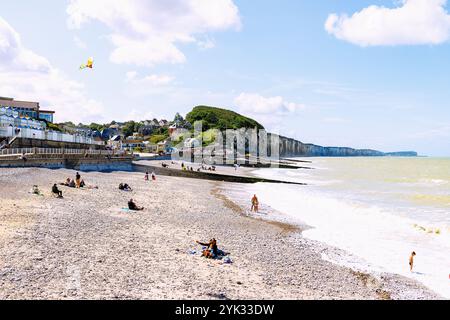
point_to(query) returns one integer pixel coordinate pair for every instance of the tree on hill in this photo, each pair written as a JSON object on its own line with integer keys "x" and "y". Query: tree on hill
{"x": 131, "y": 127}
{"x": 96, "y": 127}
{"x": 216, "y": 118}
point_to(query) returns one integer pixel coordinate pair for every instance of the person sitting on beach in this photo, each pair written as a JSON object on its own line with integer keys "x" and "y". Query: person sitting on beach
{"x": 411, "y": 261}
{"x": 66, "y": 183}
{"x": 72, "y": 184}
{"x": 132, "y": 206}
{"x": 212, "y": 250}
{"x": 124, "y": 187}
{"x": 35, "y": 190}
{"x": 56, "y": 191}
{"x": 82, "y": 184}
{"x": 255, "y": 204}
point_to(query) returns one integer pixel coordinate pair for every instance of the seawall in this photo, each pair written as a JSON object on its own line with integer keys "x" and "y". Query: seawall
{"x": 80, "y": 164}
{"x": 37, "y": 143}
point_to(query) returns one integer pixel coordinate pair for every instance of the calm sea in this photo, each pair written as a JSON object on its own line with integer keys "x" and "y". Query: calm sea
{"x": 376, "y": 209}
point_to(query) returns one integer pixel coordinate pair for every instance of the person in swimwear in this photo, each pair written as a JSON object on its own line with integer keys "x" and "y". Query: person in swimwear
{"x": 212, "y": 251}
{"x": 78, "y": 180}
{"x": 255, "y": 204}
{"x": 411, "y": 261}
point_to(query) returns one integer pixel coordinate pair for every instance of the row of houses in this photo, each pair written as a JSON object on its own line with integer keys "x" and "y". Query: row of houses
{"x": 27, "y": 109}
{"x": 130, "y": 144}
{"x": 11, "y": 117}
{"x": 25, "y": 119}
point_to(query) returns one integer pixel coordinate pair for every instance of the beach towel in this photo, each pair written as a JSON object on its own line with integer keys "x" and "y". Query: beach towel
{"x": 220, "y": 254}
{"x": 227, "y": 260}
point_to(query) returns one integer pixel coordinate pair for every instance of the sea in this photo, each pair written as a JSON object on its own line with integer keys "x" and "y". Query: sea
{"x": 378, "y": 210}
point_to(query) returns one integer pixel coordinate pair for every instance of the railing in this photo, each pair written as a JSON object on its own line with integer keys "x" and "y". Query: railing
{"x": 16, "y": 151}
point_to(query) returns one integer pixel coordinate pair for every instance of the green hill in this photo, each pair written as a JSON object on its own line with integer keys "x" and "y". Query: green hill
{"x": 216, "y": 118}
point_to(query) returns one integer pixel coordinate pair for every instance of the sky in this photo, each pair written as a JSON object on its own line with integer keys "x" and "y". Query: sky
{"x": 363, "y": 74}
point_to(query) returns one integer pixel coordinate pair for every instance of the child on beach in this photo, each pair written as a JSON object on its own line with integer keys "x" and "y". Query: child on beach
{"x": 78, "y": 180}
{"x": 146, "y": 176}
{"x": 35, "y": 190}
{"x": 255, "y": 204}
{"x": 153, "y": 176}
{"x": 411, "y": 260}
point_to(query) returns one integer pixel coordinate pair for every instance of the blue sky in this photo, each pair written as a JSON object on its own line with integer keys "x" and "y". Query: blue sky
{"x": 374, "y": 75}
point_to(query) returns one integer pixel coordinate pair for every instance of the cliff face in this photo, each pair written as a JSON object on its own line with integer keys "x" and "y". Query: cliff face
{"x": 293, "y": 148}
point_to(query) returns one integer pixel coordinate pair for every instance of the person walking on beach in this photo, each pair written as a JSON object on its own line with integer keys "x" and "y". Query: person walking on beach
{"x": 146, "y": 176}
{"x": 153, "y": 176}
{"x": 255, "y": 204}
{"x": 411, "y": 261}
{"x": 78, "y": 180}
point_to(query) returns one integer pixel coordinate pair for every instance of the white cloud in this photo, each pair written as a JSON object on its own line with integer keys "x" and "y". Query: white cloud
{"x": 148, "y": 32}
{"x": 413, "y": 22}
{"x": 13, "y": 56}
{"x": 269, "y": 111}
{"x": 257, "y": 104}
{"x": 151, "y": 80}
{"x": 334, "y": 120}
{"x": 439, "y": 131}
{"x": 206, "y": 44}
{"x": 79, "y": 43}
{"x": 25, "y": 75}
{"x": 136, "y": 115}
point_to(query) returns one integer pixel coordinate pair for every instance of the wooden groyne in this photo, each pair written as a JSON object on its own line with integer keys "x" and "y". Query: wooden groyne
{"x": 204, "y": 175}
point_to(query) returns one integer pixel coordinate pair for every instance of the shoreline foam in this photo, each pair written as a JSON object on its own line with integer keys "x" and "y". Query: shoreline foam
{"x": 383, "y": 240}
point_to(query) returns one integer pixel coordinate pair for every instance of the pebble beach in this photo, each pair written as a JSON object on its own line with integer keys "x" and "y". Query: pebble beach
{"x": 86, "y": 246}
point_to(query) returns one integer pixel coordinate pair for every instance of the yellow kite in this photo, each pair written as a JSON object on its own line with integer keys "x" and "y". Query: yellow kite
{"x": 89, "y": 64}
